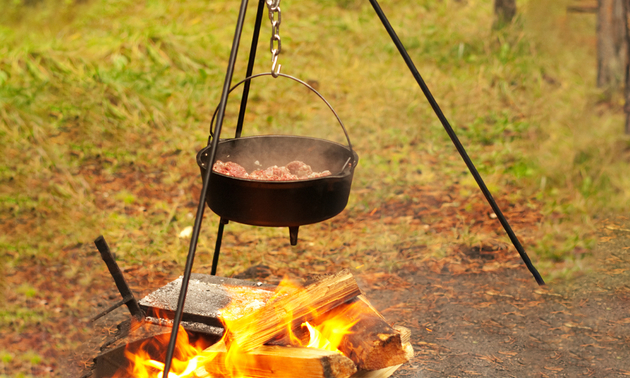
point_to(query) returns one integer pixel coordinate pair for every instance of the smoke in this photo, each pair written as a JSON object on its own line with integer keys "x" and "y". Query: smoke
{"x": 260, "y": 152}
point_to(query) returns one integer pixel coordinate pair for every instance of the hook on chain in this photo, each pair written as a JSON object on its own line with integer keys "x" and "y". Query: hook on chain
{"x": 275, "y": 67}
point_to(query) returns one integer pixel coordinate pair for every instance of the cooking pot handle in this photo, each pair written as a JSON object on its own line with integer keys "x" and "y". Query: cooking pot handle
{"x": 294, "y": 79}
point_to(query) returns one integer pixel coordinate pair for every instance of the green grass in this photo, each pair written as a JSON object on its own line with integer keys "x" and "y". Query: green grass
{"x": 117, "y": 83}
{"x": 122, "y": 87}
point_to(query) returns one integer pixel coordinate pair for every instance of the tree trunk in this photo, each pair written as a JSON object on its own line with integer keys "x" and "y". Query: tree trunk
{"x": 612, "y": 45}
{"x": 626, "y": 108}
{"x": 504, "y": 10}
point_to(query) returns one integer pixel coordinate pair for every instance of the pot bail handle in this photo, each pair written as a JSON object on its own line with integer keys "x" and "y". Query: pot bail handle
{"x": 294, "y": 79}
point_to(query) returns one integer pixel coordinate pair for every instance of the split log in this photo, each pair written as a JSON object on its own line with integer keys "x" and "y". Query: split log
{"x": 274, "y": 361}
{"x": 380, "y": 373}
{"x": 283, "y": 311}
{"x": 372, "y": 343}
{"x": 405, "y": 338}
{"x": 405, "y": 335}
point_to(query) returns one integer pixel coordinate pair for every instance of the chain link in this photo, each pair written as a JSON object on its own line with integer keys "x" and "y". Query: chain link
{"x": 275, "y": 16}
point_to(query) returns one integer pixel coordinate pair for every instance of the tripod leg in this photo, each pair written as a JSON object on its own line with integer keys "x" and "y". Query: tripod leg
{"x": 204, "y": 192}
{"x": 250, "y": 68}
{"x": 456, "y": 142}
{"x": 217, "y": 247}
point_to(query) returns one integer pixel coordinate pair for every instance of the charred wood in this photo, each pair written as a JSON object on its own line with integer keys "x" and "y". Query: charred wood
{"x": 372, "y": 343}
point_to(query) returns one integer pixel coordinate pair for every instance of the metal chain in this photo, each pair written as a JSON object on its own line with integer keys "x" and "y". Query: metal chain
{"x": 275, "y": 17}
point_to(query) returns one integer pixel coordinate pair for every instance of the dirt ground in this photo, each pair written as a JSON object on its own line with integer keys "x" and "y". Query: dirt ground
{"x": 502, "y": 324}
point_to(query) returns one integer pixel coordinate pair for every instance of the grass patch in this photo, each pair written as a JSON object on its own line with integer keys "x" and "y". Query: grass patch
{"x": 94, "y": 88}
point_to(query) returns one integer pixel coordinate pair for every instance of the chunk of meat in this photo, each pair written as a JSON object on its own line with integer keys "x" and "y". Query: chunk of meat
{"x": 295, "y": 170}
{"x": 230, "y": 169}
{"x": 273, "y": 173}
{"x": 300, "y": 169}
{"x": 304, "y": 171}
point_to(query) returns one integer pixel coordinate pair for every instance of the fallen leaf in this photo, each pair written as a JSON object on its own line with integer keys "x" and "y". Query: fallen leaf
{"x": 457, "y": 268}
{"x": 617, "y": 228}
{"x": 541, "y": 292}
{"x": 494, "y": 293}
{"x": 471, "y": 372}
{"x": 492, "y": 359}
{"x": 186, "y": 232}
{"x": 553, "y": 368}
{"x": 593, "y": 345}
{"x": 513, "y": 313}
{"x": 573, "y": 325}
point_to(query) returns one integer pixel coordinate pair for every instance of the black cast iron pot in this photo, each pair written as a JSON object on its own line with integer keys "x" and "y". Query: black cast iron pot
{"x": 280, "y": 203}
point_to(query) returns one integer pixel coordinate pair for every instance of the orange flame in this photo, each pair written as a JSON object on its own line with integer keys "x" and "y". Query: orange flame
{"x": 324, "y": 334}
{"x": 329, "y": 334}
{"x": 188, "y": 355}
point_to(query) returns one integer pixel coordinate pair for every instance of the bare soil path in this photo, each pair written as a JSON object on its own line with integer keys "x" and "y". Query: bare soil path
{"x": 501, "y": 324}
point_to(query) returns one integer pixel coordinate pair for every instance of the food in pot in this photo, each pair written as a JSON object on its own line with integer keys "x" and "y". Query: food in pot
{"x": 295, "y": 170}
{"x": 229, "y": 168}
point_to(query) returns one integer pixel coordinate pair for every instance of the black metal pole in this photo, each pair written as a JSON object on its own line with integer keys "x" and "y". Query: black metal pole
{"x": 241, "y": 118}
{"x": 127, "y": 296}
{"x": 456, "y": 142}
{"x": 250, "y": 68}
{"x": 217, "y": 247}
{"x": 204, "y": 191}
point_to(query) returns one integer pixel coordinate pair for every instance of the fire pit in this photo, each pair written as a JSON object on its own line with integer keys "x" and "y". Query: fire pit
{"x": 326, "y": 329}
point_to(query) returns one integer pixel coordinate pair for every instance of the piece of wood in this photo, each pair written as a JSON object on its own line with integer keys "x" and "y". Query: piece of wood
{"x": 274, "y": 361}
{"x": 405, "y": 333}
{"x": 290, "y": 310}
{"x": 372, "y": 343}
{"x": 380, "y": 373}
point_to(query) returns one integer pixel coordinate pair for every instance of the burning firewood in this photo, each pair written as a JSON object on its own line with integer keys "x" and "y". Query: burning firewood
{"x": 289, "y": 310}
{"x": 278, "y": 362}
{"x": 371, "y": 342}
{"x": 380, "y": 373}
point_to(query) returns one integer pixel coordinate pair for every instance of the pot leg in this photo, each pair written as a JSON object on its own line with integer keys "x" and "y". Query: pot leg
{"x": 293, "y": 234}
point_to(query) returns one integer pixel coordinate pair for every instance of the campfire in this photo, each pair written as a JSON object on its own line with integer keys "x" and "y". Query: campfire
{"x": 327, "y": 329}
